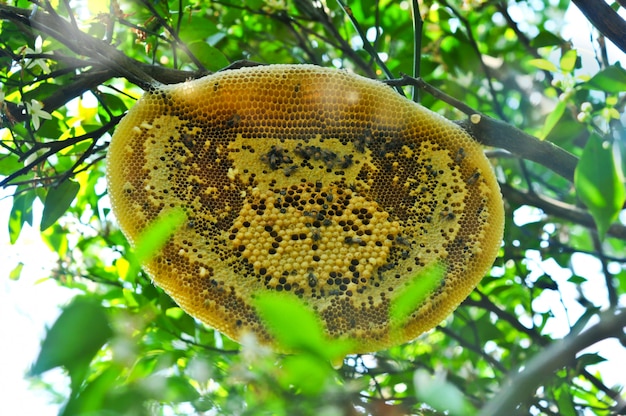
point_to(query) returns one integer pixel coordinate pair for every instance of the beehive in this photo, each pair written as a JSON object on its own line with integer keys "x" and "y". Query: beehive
{"x": 315, "y": 182}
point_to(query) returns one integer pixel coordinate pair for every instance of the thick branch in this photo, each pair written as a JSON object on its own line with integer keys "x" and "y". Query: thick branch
{"x": 543, "y": 365}
{"x": 558, "y": 208}
{"x": 605, "y": 19}
{"x": 492, "y": 132}
{"x": 496, "y": 133}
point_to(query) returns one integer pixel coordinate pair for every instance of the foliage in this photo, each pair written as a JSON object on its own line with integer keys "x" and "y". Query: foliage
{"x": 69, "y": 73}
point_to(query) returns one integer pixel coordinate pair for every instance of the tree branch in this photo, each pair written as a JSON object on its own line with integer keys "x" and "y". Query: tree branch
{"x": 605, "y": 19}
{"x": 558, "y": 208}
{"x": 560, "y": 354}
{"x": 496, "y": 133}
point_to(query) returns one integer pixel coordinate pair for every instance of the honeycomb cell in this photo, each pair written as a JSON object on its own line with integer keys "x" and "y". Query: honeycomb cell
{"x": 315, "y": 182}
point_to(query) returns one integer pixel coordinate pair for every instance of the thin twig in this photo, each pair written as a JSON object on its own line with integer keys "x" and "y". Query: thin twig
{"x": 366, "y": 43}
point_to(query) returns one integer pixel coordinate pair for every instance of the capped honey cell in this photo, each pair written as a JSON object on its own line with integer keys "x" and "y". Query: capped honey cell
{"x": 315, "y": 182}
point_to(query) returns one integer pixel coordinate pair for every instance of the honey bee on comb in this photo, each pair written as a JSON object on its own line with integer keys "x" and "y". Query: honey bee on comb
{"x": 314, "y": 182}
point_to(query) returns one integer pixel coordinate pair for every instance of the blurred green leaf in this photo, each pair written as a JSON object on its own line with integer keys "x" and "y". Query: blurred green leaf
{"x": 307, "y": 373}
{"x": 296, "y": 327}
{"x": 211, "y": 57}
{"x": 565, "y": 401}
{"x": 74, "y": 339}
{"x": 411, "y": 297}
{"x": 590, "y": 359}
{"x": 21, "y": 212}
{"x": 154, "y": 237}
{"x": 178, "y": 389}
{"x": 58, "y": 200}
{"x": 545, "y": 38}
{"x": 16, "y": 272}
{"x": 568, "y": 61}
{"x": 552, "y": 119}
{"x": 9, "y": 163}
{"x": 599, "y": 182}
{"x": 611, "y": 79}
{"x": 543, "y": 64}
{"x": 441, "y": 394}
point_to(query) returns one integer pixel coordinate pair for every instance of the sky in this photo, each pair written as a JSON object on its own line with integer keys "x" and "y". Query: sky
{"x": 32, "y": 303}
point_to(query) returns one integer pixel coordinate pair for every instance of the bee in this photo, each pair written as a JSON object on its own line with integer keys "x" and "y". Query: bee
{"x": 302, "y": 151}
{"x": 312, "y": 279}
{"x": 346, "y": 162}
{"x": 362, "y": 141}
{"x": 403, "y": 241}
{"x": 187, "y": 141}
{"x": 316, "y": 235}
{"x": 276, "y": 157}
{"x": 447, "y": 215}
{"x": 328, "y": 157}
{"x": 474, "y": 178}
{"x": 354, "y": 240}
{"x": 460, "y": 155}
{"x": 234, "y": 120}
{"x": 289, "y": 170}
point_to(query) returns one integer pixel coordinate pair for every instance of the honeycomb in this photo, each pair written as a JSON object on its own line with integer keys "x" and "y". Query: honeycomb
{"x": 309, "y": 181}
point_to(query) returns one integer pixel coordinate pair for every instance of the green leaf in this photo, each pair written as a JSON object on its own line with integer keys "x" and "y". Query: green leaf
{"x": 9, "y": 163}
{"x": 611, "y": 80}
{"x": 296, "y": 327}
{"x": 568, "y": 61}
{"x": 411, "y": 297}
{"x": 58, "y": 200}
{"x": 441, "y": 394}
{"x": 98, "y": 396}
{"x": 21, "y": 212}
{"x": 16, "y": 272}
{"x": 212, "y": 58}
{"x": 553, "y": 119}
{"x": 543, "y": 64}
{"x": 293, "y": 323}
{"x": 178, "y": 389}
{"x": 112, "y": 102}
{"x": 307, "y": 373}
{"x": 153, "y": 238}
{"x": 599, "y": 182}
{"x": 545, "y": 38}
{"x": 590, "y": 359}
{"x": 55, "y": 237}
{"x": 577, "y": 280}
{"x": 565, "y": 401}
{"x": 74, "y": 339}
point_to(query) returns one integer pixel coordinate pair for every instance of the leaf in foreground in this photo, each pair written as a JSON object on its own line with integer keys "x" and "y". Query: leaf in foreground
{"x": 74, "y": 339}
{"x": 599, "y": 182}
{"x": 296, "y": 327}
{"x": 411, "y": 297}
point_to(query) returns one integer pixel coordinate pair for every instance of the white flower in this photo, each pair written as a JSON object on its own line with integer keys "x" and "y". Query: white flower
{"x": 35, "y": 110}
{"x": 41, "y": 62}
